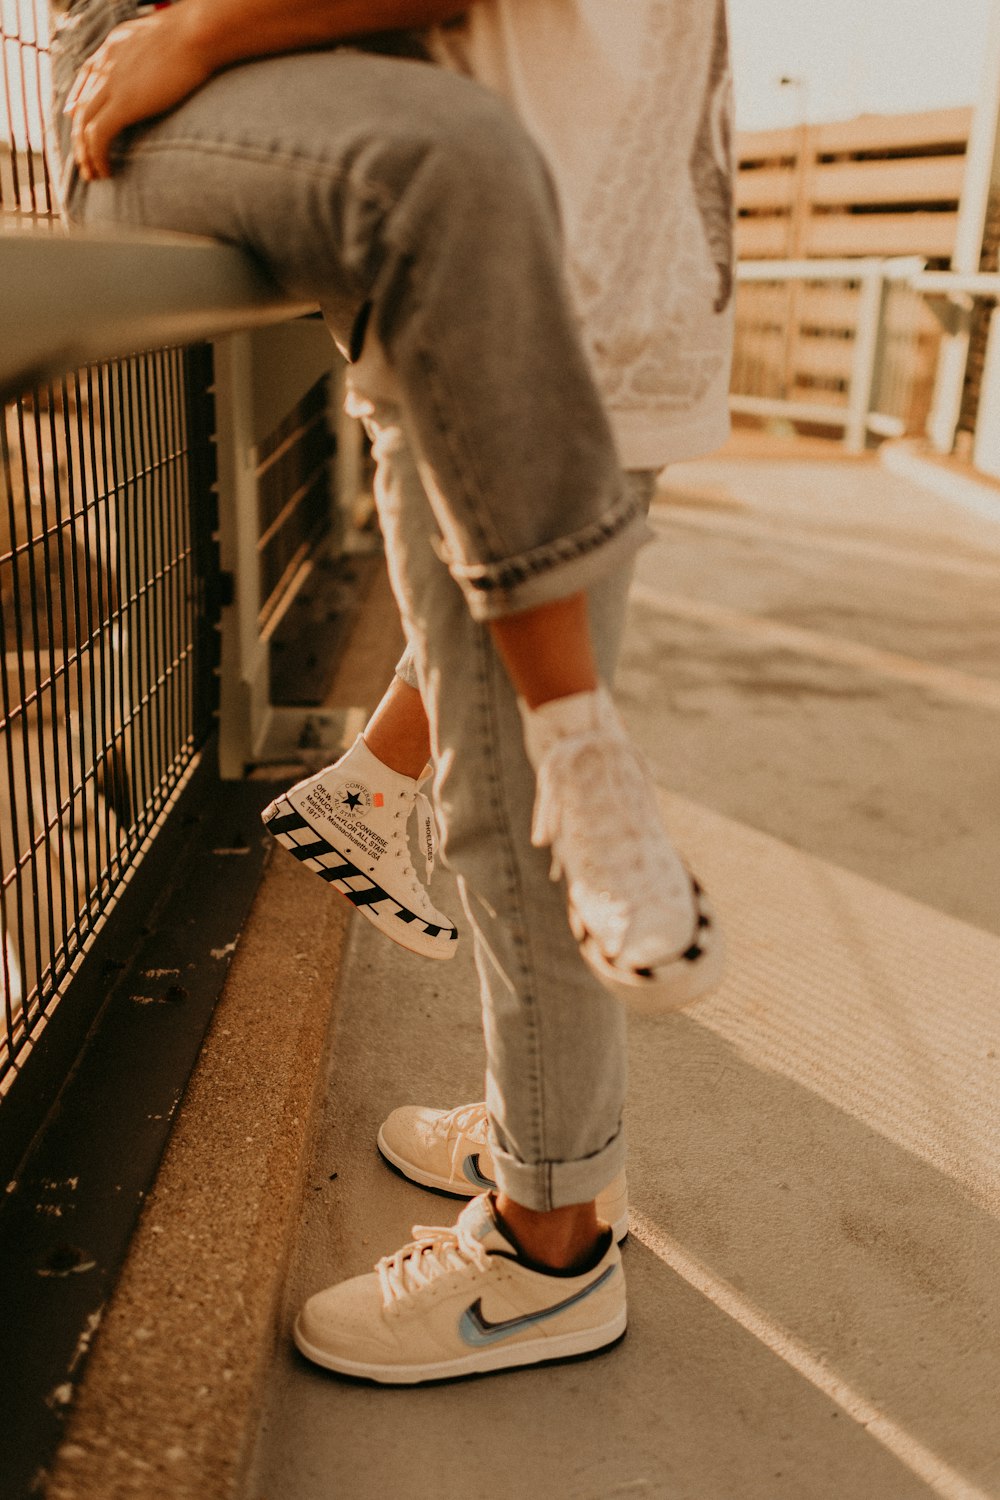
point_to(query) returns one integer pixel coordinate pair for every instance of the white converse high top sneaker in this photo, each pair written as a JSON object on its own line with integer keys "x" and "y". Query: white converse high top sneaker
{"x": 349, "y": 825}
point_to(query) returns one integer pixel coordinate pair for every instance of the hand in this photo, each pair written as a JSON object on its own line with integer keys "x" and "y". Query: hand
{"x": 143, "y": 68}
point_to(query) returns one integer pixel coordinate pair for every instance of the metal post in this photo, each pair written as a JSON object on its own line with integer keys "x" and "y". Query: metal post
{"x": 982, "y": 177}
{"x": 867, "y": 339}
{"x": 243, "y": 685}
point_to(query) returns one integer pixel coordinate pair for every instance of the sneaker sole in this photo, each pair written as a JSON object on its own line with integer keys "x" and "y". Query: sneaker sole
{"x": 547, "y": 1351}
{"x": 673, "y": 985}
{"x": 411, "y": 931}
{"x": 446, "y": 1185}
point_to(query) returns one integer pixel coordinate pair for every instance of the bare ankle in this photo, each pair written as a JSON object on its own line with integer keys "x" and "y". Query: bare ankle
{"x": 547, "y": 651}
{"x": 397, "y": 732}
{"x": 561, "y": 1238}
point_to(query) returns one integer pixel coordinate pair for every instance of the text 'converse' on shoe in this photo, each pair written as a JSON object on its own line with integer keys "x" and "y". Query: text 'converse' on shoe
{"x": 643, "y": 923}
{"x": 349, "y": 825}
{"x": 459, "y": 1301}
{"x": 448, "y": 1151}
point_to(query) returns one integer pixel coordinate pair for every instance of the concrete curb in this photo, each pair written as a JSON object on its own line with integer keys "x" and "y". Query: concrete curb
{"x": 170, "y": 1402}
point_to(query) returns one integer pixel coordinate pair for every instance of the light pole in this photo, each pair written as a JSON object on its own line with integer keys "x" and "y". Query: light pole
{"x": 798, "y": 210}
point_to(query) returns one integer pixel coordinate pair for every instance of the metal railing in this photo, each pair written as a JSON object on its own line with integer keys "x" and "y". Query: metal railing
{"x": 156, "y": 513}
{"x": 107, "y": 571}
{"x": 25, "y": 189}
{"x": 850, "y": 344}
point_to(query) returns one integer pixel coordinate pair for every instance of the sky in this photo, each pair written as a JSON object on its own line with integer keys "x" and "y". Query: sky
{"x": 854, "y": 57}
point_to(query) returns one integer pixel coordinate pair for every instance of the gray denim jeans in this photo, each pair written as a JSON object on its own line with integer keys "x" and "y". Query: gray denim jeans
{"x": 410, "y": 203}
{"x": 555, "y": 1038}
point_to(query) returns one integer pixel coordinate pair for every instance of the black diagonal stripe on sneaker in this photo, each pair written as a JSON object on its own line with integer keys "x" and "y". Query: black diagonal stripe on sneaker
{"x": 310, "y": 851}
{"x": 371, "y": 897}
{"x": 337, "y": 872}
{"x": 348, "y": 871}
{"x": 402, "y": 913}
{"x": 287, "y": 823}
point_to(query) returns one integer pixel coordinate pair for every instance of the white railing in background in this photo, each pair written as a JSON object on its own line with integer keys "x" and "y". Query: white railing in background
{"x": 850, "y": 344}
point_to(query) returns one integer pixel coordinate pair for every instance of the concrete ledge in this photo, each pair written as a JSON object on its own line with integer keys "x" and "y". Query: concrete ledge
{"x": 169, "y": 1404}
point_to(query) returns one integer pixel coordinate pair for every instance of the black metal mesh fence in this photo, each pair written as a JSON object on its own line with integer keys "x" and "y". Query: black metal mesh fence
{"x": 105, "y": 565}
{"x": 108, "y": 595}
{"x": 106, "y": 685}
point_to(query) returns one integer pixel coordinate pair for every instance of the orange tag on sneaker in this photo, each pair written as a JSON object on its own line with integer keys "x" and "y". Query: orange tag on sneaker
{"x": 378, "y": 800}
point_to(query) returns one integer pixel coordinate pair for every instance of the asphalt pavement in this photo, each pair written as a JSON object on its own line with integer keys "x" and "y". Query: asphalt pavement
{"x": 812, "y": 666}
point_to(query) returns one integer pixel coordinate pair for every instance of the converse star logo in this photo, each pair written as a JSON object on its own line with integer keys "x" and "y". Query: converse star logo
{"x": 354, "y": 799}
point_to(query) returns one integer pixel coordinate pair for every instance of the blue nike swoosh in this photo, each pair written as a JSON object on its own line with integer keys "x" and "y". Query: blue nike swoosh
{"x": 470, "y": 1170}
{"x": 478, "y": 1331}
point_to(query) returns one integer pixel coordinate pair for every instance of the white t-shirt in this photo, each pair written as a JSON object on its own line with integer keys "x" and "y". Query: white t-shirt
{"x": 630, "y": 102}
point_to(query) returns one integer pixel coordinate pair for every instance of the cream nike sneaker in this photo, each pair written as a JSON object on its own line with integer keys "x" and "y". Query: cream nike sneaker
{"x": 448, "y": 1151}
{"x": 643, "y": 923}
{"x": 460, "y": 1301}
{"x": 349, "y": 824}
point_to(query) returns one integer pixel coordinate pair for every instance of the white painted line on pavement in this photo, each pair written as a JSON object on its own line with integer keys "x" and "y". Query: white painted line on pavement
{"x": 783, "y": 532}
{"x": 945, "y": 1481}
{"x": 961, "y": 687}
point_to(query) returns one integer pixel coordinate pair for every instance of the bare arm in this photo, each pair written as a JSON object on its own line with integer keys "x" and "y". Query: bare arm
{"x": 228, "y": 31}
{"x": 146, "y": 67}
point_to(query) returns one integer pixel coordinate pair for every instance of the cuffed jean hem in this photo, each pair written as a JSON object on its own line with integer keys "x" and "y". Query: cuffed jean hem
{"x": 556, "y": 1184}
{"x": 555, "y": 570}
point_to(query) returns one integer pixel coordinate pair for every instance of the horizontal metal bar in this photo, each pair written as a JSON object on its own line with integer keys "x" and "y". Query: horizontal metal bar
{"x": 972, "y": 283}
{"x": 79, "y": 298}
{"x": 844, "y": 268}
{"x": 878, "y": 423}
{"x": 795, "y": 411}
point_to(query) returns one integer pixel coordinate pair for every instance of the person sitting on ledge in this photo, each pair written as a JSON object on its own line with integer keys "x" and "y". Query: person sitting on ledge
{"x": 521, "y": 239}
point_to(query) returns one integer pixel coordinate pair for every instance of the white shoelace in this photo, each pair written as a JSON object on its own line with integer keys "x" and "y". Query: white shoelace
{"x": 596, "y": 808}
{"x": 428, "y": 828}
{"x": 464, "y": 1119}
{"x": 433, "y": 1252}
{"x": 465, "y": 1122}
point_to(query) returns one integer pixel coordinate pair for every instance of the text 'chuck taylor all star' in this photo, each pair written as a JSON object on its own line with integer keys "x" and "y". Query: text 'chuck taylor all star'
{"x": 461, "y": 1301}
{"x": 349, "y": 824}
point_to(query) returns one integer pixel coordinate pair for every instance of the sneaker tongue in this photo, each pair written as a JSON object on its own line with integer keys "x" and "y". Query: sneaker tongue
{"x": 478, "y": 1220}
{"x": 566, "y": 718}
{"x": 360, "y": 762}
